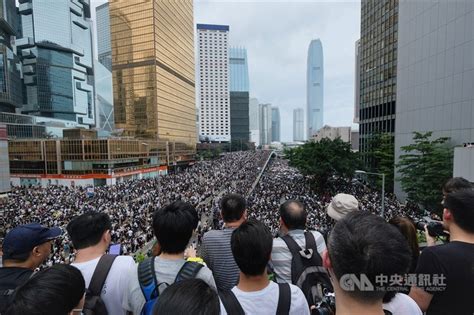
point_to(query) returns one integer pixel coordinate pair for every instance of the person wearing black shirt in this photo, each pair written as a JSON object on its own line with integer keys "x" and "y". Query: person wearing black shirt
{"x": 445, "y": 282}
{"x": 25, "y": 248}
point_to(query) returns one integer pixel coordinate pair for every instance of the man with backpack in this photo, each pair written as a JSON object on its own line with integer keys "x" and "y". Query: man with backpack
{"x": 173, "y": 226}
{"x": 251, "y": 245}
{"x": 25, "y": 248}
{"x": 296, "y": 256}
{"x": 106, "y": 276}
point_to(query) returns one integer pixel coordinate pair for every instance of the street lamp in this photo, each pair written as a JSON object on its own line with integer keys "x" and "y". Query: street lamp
{"x": 383, "y": 186}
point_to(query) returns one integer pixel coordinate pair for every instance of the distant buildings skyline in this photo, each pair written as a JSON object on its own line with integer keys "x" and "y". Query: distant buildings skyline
{"x": 315, "y": 87}
{"x": 104, "y": 48}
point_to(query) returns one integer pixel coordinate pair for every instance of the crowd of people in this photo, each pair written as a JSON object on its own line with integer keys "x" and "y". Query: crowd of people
{"x": 271, "y": 248}
{"x": 130, "y": 204}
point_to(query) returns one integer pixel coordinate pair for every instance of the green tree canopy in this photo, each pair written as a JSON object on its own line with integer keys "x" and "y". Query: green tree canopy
{"x": 324, "y": 159}
{"x": 424, "y": 168}
{"x": 382, "y": 157}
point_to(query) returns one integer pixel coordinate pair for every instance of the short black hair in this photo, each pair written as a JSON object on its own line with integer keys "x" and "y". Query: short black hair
{"x": 251, "y": 245}
{"x": 455, "y": 184}
{"x": 192, "y": 296}
{"x": 87, "y": 229}
{"x": 173, "y": 226}
{"x": 233, "y": 207}
{"x": 461, "y": 204}
{"x": 365, "y": 244}
{"x": 55, "y": 290}
{"x": 293, "y": 214}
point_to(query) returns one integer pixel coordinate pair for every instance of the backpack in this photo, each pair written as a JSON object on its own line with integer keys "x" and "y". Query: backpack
{"x": 233, "y": 307}
{"x": 150, "y": 286}
{"x": 93, "y": 304}
{"x": 307, "y": 270}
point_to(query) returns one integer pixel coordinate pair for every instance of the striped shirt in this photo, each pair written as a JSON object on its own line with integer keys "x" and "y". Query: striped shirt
{"x": 281, "y": 255}
{"x": 216, "y": 252}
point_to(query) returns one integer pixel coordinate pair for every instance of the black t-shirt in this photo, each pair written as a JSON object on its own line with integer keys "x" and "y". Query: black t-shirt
{"x": 10, "y": 279}
{"x": 451, "y": 264}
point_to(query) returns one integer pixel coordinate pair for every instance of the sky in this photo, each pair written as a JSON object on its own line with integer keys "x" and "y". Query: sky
{"x": 277, "y": 35}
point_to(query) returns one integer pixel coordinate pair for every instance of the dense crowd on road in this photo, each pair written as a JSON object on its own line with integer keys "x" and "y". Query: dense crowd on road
{"x": 272, "y": 246}
{"x": 130, "y": 203}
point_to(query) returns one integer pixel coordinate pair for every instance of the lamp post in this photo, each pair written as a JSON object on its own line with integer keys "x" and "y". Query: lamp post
{"x": 383, "y": 186}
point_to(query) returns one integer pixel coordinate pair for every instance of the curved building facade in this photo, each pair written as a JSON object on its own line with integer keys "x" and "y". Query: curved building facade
{"x": 315, "y": 88}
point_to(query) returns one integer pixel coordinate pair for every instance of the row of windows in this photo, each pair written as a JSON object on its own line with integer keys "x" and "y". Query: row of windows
{"x": 380, "y": 110}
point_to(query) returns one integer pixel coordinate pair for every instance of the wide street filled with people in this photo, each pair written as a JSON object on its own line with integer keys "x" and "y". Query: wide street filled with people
{"x": 241, "y": 234}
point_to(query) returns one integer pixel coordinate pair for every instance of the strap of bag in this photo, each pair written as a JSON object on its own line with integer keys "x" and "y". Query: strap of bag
{"x": 296, "y": 261}
{"x": 189, "y": 271}
{"x": 284, "y": 299}
{"x": 230, "y": 302}
{"x": 100, "y": 274}
{"x": 310, "y": 241}
{"x": 147, "y": 277}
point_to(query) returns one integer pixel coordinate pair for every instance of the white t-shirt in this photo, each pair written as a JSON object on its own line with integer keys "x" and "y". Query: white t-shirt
{"x": 402, "y": 304}
{"x": 266, "y": 301}
{"x": 115, "y": 284}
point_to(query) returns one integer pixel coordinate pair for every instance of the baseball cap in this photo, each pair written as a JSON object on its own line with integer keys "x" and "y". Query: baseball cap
{"x": 23, "y": 238}
{"x": 341, "y": 205}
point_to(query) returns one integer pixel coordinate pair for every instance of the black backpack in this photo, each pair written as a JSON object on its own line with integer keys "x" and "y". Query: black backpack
{"x": 93, "y": 304}
{"x": 307, "y": 270}
{"x": 233, "y": 307}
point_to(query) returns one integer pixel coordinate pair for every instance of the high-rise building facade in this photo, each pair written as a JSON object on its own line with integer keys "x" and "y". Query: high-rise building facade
{"x": 239, "y": 94}
{"x": 104, "y": 98}
{"x": 276, "y": 124}
{"x": 265, "y": 124}
{"x": 378, "y": 70}
{"x": 153, "y": 69}
{"x": 357, "y": 83}
{"x": 10, "y": 65}
{"x": 104, "y": 49}
{"x": 315, "y": 87}
{"x": 298, "y": 124}
{"x": 213, "y": 73}
{"x": 254, "y": 121}
{"x": 435, "y": 89}
{"x": 56, "y": 51}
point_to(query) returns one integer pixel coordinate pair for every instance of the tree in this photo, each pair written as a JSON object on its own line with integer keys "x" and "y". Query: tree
{"x": 424, "y": 167}
{"x": 323, "y": 160}
{"x": 382, "y": 158}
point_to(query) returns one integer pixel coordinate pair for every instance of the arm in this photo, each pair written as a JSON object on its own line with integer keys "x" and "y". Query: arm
{"x": 421, "y": 297}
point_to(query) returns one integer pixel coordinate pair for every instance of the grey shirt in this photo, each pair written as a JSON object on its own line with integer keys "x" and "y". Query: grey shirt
{"x": 216, "y": 252}
{"x": 166, "y": 271}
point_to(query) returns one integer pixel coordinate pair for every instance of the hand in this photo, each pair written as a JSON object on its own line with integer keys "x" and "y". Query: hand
{"x": 430, "y": 240}
{"x": 190, "y": 252}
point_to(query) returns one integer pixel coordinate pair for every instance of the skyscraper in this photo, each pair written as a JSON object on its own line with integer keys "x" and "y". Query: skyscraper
{"x": 275, "y": 124}
{"x": 104, "y": 49}
{"x": 153, "y": 69}
{"x": 104, "y": 97}
{"x": 315, "y": 87}
{"x": 298, "y": 124}
{"x": 56, "y": 50}
{"x": 254, "y": 121}
{"x": 10, "y": 66}
{"x": 239, "y": 94}
{"x": 214, "y": 81}
{"x": 265, "y": 124}
{"x": 378, "y": 71}
{"x": 435, "y": 79}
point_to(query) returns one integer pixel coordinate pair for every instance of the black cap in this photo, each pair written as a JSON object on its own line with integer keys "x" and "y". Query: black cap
{"x": 24, "y": 238}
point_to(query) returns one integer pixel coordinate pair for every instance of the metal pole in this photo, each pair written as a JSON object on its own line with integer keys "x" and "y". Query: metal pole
{"x": 383, "y": 195}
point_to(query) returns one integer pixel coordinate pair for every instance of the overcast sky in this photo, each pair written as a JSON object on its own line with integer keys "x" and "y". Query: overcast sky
{"x": 277, "y": 35}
